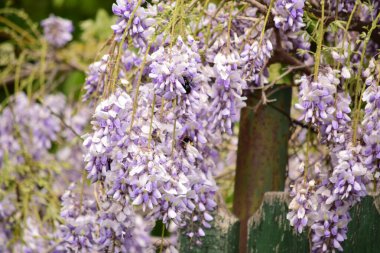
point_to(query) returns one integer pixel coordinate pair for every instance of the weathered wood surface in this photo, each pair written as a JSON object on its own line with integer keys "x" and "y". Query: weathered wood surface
{"x": 269, "y": 230}
{"x": 223, "y": 237}
{"x": 364, "y": 229}
{"x": 262, "y": 153}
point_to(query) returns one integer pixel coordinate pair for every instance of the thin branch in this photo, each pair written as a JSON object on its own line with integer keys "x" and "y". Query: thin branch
{"x": 261, "y": 7}
{"x": 282, "y": 56}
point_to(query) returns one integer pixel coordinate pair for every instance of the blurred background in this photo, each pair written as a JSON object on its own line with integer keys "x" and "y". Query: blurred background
{"x": 75, "y": 10}
{"x": 91, "y": 19}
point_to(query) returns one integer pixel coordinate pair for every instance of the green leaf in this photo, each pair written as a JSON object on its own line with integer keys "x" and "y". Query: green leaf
{"x": 275, "y": 71}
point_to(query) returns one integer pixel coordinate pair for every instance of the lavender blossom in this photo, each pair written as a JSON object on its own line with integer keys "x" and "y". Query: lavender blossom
{"x": 227, "y": 92}
{"x": 141, "y": 27}
{"x": 288, "y": 15}
{"x": 157, "y": 179}
{"x": 114, "y": 227}
{"x": 316, "y": 99}
{"x": 350, "y": 176}
{"x": 370, "y": 125}
{"x": 330, "y": 230}
{"x": 302, "y": 204}
{"x": 57, "y": 31}
{"x": 255, "y": 57}
{"x": 336, "y": 129}
{"x": 96, "y": 75}
{"x": 26, "y": 128}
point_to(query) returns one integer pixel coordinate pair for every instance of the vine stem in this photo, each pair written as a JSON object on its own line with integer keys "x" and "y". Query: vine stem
{"x": 346, "y": 30}
{"x": 18, "y": 29}
{"x": 22, "y": 15}
{"x": 20, "y": 61}
{"x": 320, "y": 41}
{"x": 139, "y": 83}
{"x": 151, "y": 120}
{"x": 162, "y": 237}
{"x": 306, "y": 168}
{"x": 229, "y": 27}
{"x": 358, "y": 92}
{"x": 43, "y": 65}
{"x": 174, "y": 126}
{"x": 120, "y": 48}
{"x": 265, "y": 23}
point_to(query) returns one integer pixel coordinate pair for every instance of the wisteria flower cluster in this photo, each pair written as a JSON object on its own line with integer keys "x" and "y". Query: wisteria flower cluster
{"x": 144, "y": 145}
{"x": 326, "y": 107}
{"x": 57, "y": 30}
{"x": 29, "y": 130}
{"x": 289, "y": 14}
{"x": 154, "y": 141}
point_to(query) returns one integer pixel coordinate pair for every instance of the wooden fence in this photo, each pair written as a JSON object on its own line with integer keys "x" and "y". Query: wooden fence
{"x": 259, "y": 221}
{"x": 269, "y": 230}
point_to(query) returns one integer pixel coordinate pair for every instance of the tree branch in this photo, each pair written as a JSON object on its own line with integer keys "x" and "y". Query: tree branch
{"x": 261, "y": 7}
{"x": 281, "y": 56}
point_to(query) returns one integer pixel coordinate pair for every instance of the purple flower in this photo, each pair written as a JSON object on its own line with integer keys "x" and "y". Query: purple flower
{"x": 316, "y": 99}
{"x": 288, "y": 15}
{"x": 114, "y": 226}
{"x": 57, "y": 31}
{"x": 141, "y": 27}
{"x": 254, "y": 58}
{"x": 36, "y": 130}
{"x": 370, "y": 123}
{"x": 96, "y": 75}
{"x": 227, "y": 93}
{"x": 302, "y": 204}
{"x": 330, "y": 230}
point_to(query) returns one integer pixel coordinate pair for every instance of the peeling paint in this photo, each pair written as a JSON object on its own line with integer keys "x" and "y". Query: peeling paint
{"x": 269, "y": 230}
{"x": 376, "y": 201}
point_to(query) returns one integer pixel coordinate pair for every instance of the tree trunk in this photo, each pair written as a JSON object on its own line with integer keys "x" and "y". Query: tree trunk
{"x": 262, "y": 155}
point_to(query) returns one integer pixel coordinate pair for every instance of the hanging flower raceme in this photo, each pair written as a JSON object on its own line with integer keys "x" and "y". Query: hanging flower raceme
{"x": 111, "y": 226}
{"x": 255, "y": 57}
{"x": 78, "y": 231}
{"x": 96, "y": 76}
{"x": 302, "y": 204}
{"x": 370, "y": 123}
{"x": 110, "y": 123}
{"x": 330, "y": 229}
{"x": 329, "y": 111}
{"x": 142, "y": 23}
{"x": 26, "y": 129}
{"x": 288, "y": 15}
{"x": 57, "y": 31}
{"x": 336, "y": 195}
{"x": 140, "y": 163}
{"x": 350, "y": 176}
{"x": 177, "y": 78}
{"x": 316, "y": 99}
{"x": 325, "y": 108}
{"x": 336, "y": 128}
{"x": 227, "y": 92}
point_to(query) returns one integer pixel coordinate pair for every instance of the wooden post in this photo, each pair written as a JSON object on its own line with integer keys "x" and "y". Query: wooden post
{"x": 262, "y": 155}
{"x": 270, "y": 230}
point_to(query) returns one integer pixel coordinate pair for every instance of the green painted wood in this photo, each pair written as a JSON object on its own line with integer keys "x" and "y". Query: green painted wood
{"x": 269, "y": 230}
{"x": 223, "y": 237}
{"x": 364, "y": 229}
{"x": 262, "y": 154}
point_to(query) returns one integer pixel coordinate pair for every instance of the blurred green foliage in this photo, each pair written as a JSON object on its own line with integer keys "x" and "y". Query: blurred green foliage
{"x": 92, "y": 30}
{"x": 76, "y": 10}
